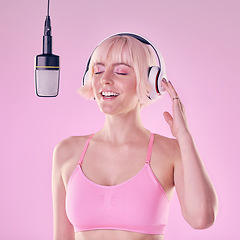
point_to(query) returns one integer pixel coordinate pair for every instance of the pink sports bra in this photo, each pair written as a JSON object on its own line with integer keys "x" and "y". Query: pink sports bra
{"x": 138, "y": 204}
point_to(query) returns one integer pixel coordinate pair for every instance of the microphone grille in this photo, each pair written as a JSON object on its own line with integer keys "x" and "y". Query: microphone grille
{"x": 47, "y": 82}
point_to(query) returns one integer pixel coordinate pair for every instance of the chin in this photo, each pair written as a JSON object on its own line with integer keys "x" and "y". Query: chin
{"x": 118, "y": 107}
{"x": 109, "y": 111}
{"x": 115, "y": 112}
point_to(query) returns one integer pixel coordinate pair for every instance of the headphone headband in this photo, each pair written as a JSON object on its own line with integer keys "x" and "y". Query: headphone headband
{"x": 143, "y": 40}
{"x": 136, "y": 36}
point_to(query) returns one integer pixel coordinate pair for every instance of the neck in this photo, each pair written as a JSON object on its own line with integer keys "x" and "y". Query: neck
{"x": 123, "y": 127}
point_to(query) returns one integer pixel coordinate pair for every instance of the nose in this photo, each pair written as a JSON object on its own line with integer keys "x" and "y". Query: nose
{"x": 106, "y": 78}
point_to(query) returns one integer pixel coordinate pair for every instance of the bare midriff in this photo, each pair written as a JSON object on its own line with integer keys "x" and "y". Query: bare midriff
{"x": 107, "y": 234}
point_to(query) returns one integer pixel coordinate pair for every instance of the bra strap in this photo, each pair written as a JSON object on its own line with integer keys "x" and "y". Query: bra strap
{"x": 85, "y": 149}
{"x": 150, "y": 148}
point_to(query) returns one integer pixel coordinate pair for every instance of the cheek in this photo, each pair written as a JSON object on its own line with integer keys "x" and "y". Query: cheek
{"x": 134, "y": 90}
{"x": 95, "y": 85}
{"x": 133, "y": 86}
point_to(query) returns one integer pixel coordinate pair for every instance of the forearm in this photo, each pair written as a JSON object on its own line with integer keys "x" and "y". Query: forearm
{"x": 199, "y": 197}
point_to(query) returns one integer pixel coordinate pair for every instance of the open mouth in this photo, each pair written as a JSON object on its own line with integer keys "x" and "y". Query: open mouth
{"x": 109, "y": 94}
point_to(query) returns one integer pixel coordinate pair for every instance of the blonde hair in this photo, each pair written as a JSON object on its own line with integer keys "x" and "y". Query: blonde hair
{"x": 128, "y": 50}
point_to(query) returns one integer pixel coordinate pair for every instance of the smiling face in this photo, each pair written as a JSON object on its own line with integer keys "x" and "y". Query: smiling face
{"x": 114, "y": 86}
{"x": 120, "y": 54}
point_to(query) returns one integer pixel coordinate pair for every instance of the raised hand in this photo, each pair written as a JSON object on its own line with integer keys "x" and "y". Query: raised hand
{"x": 177, "y": 122}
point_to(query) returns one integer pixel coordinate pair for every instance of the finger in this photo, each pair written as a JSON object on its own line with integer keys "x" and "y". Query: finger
{"x": 170, "y": 89}
{"x": 164, "y": 83}
{"x": 182, "y": 106}
{"x": 173, "y": 89}
{"x": 167, "y": 87}
{"x": 168, "y": 118}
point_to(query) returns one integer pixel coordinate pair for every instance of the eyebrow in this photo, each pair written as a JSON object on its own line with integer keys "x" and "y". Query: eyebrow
{"x": 114, "y": 64}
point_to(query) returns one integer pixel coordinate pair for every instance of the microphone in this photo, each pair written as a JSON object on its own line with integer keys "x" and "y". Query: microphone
{"x": 47, "y": 69}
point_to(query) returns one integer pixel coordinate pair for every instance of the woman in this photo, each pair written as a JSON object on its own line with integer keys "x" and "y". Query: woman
{"x": 118, "y": 182}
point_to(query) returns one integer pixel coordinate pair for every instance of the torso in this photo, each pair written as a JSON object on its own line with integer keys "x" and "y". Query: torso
{"x": 112, "y": 168}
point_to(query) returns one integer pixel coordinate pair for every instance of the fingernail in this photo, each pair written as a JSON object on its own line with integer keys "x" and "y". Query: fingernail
{"x": 164, "y": 80}
{"x": 170, "y": 82}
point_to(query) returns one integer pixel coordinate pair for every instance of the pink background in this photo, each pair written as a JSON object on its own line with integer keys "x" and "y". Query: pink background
{"x": 201, "y": 45}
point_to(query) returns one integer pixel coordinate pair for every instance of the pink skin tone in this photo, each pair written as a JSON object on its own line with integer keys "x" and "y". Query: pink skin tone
{"x": 177, "y": 122}
{"x": 190, "y": 177}
{"x": 118, "y": 78}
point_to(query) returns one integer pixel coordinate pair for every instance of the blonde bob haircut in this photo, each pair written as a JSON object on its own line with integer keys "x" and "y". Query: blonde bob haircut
{"x": 125, "y": 49}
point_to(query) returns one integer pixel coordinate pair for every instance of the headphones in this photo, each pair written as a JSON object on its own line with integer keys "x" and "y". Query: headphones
{"x": 155, "y": 73}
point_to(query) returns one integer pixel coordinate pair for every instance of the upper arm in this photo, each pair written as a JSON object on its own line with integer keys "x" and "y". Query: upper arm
{"x": 195, "y": 191}
{"x": 178, "y": 175}
{"x": 180, "y": 185}
{"x": 63, "y": 229}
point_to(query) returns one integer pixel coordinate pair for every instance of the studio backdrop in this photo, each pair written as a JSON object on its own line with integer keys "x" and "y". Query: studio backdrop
{"x": 200, "y": 44}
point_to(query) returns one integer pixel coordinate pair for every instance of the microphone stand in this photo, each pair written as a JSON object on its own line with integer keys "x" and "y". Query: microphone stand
{"x": 47, "y": 65}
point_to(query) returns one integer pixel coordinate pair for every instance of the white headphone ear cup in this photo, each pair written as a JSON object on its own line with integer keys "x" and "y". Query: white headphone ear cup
{"x": 155, "y": 77}
{"x": 85, "y": 78}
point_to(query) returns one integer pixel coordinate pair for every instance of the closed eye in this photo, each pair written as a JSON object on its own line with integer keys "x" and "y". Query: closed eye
{"x": 120, "y": 70}
{"x": 121, "y": 73}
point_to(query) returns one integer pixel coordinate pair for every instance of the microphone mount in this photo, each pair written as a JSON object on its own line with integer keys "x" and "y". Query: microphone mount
{"x": 47, "y": 38}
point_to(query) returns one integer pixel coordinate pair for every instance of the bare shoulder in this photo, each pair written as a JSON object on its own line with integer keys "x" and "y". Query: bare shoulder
{"x": 168, "y": 147}
{"x": 164, "y": 155}
{"x": 68, "y": 148}
{"x": 66, "y": 156}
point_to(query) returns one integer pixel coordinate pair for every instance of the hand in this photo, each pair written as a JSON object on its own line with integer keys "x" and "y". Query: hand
{"x": 177, "y": 122}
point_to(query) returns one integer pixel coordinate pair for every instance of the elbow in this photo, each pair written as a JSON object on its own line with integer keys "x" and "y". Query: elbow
{"x": 203, "y": 215}
{"x": 203, "y": 219}
{"x": 203, "y": 222}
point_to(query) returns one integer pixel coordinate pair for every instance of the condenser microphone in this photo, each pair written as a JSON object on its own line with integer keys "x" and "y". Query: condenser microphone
{"x": 47, "y": 69}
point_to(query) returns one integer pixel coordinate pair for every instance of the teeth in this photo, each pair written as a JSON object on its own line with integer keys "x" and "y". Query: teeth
{"x": 109, "y": 94}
